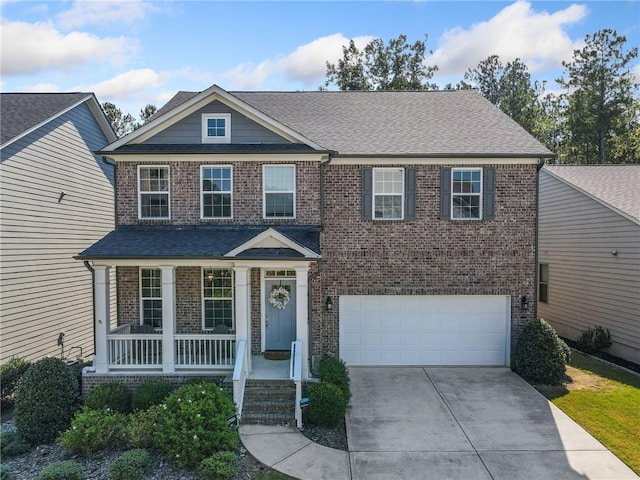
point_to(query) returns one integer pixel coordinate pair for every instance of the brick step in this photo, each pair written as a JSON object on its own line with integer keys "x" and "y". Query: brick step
{"x": 269, "y": 402}
{"x": 266, "y": 394}
{"x": 267, "y": 419}
{"x": 269, "y": 406}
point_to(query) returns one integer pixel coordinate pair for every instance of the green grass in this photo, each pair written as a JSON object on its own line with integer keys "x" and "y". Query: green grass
{"x": 606, "y": 402}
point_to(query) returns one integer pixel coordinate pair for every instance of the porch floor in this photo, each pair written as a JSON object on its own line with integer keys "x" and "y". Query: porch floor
{"x": 263, "y": 369}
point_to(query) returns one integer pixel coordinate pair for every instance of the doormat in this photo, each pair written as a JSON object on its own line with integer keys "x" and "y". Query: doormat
{"x": 277, "y": 355}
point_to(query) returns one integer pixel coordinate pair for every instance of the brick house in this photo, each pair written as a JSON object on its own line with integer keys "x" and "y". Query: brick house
{"x": 387, "y": 228}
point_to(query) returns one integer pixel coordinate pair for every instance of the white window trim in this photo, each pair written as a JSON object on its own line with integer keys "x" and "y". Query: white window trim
{"x": 203, "y": 193}
{"x": 540, "y": 282}
{"x": 264, "y": 192}
{"x": 233, "y": 292}
{"x": 227, "y": 128}
{"x": 480, "y": 194}
{"x": 142, "y": 299}
{"x": 168, "y": 193}
{"x": 374, "y": 194}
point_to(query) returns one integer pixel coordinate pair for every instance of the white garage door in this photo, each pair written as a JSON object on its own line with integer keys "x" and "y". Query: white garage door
{"x": 424, "y": 330}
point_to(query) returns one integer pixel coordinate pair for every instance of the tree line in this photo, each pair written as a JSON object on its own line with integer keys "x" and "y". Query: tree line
{"x": 594, "y": 119}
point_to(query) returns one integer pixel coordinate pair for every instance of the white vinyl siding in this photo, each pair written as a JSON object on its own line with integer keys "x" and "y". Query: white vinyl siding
{"x": 590, "y": 286}
{"x": 43, "y": 290}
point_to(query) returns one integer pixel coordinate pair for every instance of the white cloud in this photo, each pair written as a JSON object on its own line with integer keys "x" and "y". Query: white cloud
{"x": 42, "y": 88}
{"x": 29, "y": 48}
{"x": 517, "y": 31}
{"x": 131, "y": 84}
{"x": 306, "y": 64}
{"x": 92, "y": 12}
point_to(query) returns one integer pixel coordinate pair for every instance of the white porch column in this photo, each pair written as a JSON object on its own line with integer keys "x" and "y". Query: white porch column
{"x": 302, "y": 315}
{"x": 102, "y": 317}
{"x": 168, "y": 317}
{"x": 243, "y": 308}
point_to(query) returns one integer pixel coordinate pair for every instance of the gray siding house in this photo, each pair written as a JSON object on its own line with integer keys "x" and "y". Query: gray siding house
{"x": 56, "y": 197}
{"x": 386, "y": 228}
{"x": 589, "y": 252}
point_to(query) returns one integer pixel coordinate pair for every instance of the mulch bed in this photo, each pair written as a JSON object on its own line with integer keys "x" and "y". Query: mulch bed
{"x": 607, "y": 356}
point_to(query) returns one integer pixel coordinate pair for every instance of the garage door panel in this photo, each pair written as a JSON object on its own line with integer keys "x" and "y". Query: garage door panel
{"x": 424, "y": 330}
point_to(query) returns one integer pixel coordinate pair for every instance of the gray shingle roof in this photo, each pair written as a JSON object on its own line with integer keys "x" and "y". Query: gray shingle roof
{"x": 433, "y": 123}
{"x": 20, "y": 112}
{"x": 206, "y": 241}
{"x": 616, "y": 185}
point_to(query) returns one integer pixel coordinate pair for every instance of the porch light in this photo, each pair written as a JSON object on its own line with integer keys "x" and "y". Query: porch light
{"x": 329, "y": 303}
{"x": 524, "y": 302}
{"x": 210, "y": 276}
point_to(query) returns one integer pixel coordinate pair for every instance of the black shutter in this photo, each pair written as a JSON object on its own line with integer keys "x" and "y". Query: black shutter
{"x": 367, "y": 193}
{"x": 489, "y": 193}
{"x": 409, "y": 193}
{"x": 445, "y": 193}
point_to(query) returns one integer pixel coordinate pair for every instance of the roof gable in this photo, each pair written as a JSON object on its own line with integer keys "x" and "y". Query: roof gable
{"x": 615, "y": 186}
{"x": 271, "y": 239}
{"x": 22, "y": 113}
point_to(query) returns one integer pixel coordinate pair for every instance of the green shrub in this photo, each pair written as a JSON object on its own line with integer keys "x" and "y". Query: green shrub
{"x": 64, "y": 470}
{"x": 540, "y": 356}
{"x": 131, "y": 465}
{"x": 4, "y": 473}
{"x": 140, "y": 431}
{"x": 219, "y": 466}
{"x": 112, "y": 395}
{"x": 327, "y": 404}
{"x": 594, "y": 339}
{"x": 46, "y": 400}
{"x": 334, "y": 370}
{"x": 12, "y": 445}
{"x": 93, "y": 430}
{"x": 10, "y": 375}
{"x": 194, "y": 424}
{"x": 150, "y": 392}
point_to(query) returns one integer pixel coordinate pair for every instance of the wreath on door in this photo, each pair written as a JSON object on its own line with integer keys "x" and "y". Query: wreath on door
{"x": 279, "y": 297}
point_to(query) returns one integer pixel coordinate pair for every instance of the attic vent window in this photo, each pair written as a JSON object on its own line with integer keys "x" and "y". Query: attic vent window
{"x": 216, "y": 128}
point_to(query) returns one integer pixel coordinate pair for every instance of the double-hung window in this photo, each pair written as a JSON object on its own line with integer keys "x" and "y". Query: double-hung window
{"x": 388, "y": 193}
{"x": 466, "y": 193}
{"x": 279, "y": 191}
{"x": 153, "y": 192}
{"x": 216, "y": 128}
{"x": 543, "y": 283}
{"x": 217, "y": 299}
{"x": 216, "y": 198}
{"x": 151, "y": 297}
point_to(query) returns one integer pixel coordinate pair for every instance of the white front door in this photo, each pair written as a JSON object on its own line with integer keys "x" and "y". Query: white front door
{"x": 280, "y": 323}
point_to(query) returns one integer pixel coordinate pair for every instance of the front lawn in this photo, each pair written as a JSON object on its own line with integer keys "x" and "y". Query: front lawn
{"x": 605, "y": 401}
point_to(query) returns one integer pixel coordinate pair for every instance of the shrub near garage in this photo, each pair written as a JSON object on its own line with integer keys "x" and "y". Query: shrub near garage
{"x": 46, "y": 400}
{"x": 194, "y": 424}
{"x": 334, "y": 370}
{"x": 327, "y": 404}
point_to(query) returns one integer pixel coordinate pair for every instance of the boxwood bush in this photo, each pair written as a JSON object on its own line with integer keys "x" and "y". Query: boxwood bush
{"x": 334, "y": 370}
{"x": 131, "y": 465}
{"x": 594, "y": 339}
{"x": 327, "y": 404}
{"x": 150, "y": 392}
{"x": 63, "y": 470}
{"x": 219, "y": 466}
{"x": 540, "y": 356}
{"x": 113, "y": 395}
{"x": 93, "y": 430}
{"x": 140, "y": 431}
{"x": 10, "y": 375}
{"x": 194, "y": 424}
{"x": 46, "y": 400}
{"x": 12, "y": 445}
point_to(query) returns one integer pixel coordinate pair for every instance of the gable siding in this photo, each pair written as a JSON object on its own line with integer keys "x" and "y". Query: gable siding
{"x": 43, "y": 290}
{"x": 587, "y": 284}
{"x": 189, "y": 129}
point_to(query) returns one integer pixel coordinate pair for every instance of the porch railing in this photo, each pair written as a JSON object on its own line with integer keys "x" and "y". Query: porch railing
{"x": 240, "y": 374}
{"x": 211, "y": 351}
{"x": 128, "y": 350}
{"x": 295, "y": 372}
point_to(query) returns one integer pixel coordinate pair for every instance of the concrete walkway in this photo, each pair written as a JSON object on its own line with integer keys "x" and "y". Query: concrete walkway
{"x": 444, "y": 423}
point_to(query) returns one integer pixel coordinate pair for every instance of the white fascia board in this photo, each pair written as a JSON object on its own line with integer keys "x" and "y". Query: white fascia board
{"x": 194, "y": 104}
{"x": 426, "y": 160}
{"x": 218, "y": 157}
{"x": 285, "y": 241}
{"x": 202, "y": 262}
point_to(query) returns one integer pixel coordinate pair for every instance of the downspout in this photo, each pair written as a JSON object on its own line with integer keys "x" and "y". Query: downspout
{"x": 315, "y": 275}
{"x": 536, "y": 268}
{"x": 93, "y": 299}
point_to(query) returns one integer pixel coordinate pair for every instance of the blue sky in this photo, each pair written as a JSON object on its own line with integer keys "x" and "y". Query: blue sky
{"x": 137, "y": 52}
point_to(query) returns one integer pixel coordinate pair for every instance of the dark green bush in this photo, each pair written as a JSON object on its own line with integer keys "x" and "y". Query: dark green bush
{"x": 131, "y": 465}
{"x": 46, "y": 400}
{"x": 327, "y": 404}
{"x": 4, "y": 473}
{"x": 219, "y": 466}
{"x": 65, "y": 470}
{"x": 334, "y": 370}
{"x": 112, "y": 395}
{"x": 10, "y": 375}
{"x": 540, "y": 356}
{"x": 12, "y": 445}
{"x": 194, "y": 424}
{"x": 93, "y": 430}
{"x": 594, "y": 339}
{"x": 141, "y": 428}
{"x": 150, "y": 392}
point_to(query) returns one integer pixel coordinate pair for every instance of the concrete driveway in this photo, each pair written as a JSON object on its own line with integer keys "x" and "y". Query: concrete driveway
{"x": 465, "y": 423}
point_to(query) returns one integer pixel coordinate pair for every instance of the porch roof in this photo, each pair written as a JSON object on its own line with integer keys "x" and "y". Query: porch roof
{"x": 197, "y": 242}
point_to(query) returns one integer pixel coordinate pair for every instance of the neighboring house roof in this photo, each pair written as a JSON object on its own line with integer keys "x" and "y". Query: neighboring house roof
{"x": 203, "y": 241}
{"x": 21, "y": 113}
{"x": 616, "y": 186}
{"x": 394, "y": 123}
